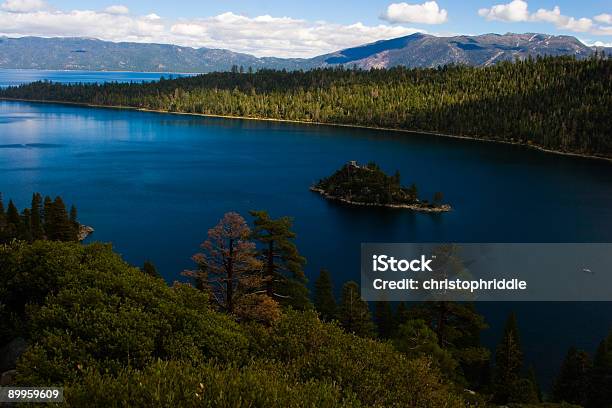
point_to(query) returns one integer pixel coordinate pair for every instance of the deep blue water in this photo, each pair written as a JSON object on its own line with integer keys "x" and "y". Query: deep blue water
{"x": 153, "y": 184}
{"x": 11, "y": 77}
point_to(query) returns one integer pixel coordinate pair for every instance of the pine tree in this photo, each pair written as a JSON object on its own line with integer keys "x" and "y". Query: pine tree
{"x": 383, "y": 316}
{"x": 13, "y": 221}
{"x": 324, "y": 300}
{"x": 26, "y": 225}
{"x": 150, "y": 269}
{"x": 283, "y": 264}
{"x": 353, "y": 312}
{"x": 232, "y": 274}
{"x": 415, "y": 339}
{"x": 64, "y": 230}
{"x": 49, "y": 218}
{"x": 457, "y": 327}
{"x": 572, "y": 382}
{"x": 402, "y": 315}
{"x": 438, "y": 197}
{"x": 508, "y": 363}
{"x": 36, "y": 217}
{"x": 3, "y": 232}
{"x": 601, "y": 376}
{"x": 533, "y": 378}
{"x": 74, "y": 223}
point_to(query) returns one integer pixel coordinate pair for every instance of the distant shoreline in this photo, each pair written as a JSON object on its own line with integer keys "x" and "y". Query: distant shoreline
{"x": 101, "y": 70}
{"x": 305, "y": 122}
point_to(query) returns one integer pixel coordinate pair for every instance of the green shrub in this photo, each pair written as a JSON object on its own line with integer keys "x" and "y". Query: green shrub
{"x": 115, "y": 336}
{"x": 181, "y": 384}
{"x": 108, "y": 315}
{"x": 375, "y": 372}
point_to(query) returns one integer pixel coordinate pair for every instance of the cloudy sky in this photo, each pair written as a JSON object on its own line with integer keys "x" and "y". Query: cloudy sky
{"x": 299, "y": 28}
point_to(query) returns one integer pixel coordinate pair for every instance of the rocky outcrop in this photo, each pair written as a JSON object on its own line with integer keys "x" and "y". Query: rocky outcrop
{"x": 85, "y": 231}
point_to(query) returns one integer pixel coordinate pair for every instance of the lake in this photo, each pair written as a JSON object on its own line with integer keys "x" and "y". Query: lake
{"x": 13, "y": 77}
{"x": 153, "y": 184}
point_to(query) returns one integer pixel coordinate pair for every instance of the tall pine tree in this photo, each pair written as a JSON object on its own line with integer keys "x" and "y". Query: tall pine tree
{"x": 324, "y": 300}
{"x": 601, "y": 376}
{"x": 13, "y": 220}
{"x": 3, "y": 232}
{"x": 74, "y": 223}
{"x": 283, "y": 264}
{"x": 64, "y": 230}
{"x": 508, "y": 363}
{"x": 383, "y": 316}
{"x": 36, "y": 217}
{"x": 572, "y": 382}
{"x": 353, "y": 312}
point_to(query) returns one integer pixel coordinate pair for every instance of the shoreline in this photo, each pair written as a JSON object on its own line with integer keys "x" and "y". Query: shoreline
{"x": 305, "y": 122}
{"x": 413, "y": 207}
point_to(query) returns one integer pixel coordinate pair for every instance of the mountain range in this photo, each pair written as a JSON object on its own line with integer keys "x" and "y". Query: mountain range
{"x": 416, "y": 50}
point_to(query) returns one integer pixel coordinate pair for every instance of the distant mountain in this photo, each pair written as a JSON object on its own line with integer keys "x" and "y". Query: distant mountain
{"x": 97, "y": 55}
{"x": 421, "y": 50}
{"x": 417, "y": 50}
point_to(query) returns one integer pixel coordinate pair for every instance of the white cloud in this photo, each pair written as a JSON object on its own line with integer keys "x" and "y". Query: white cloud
{"x": 518, "y": 11}
{"x": 23, "y": 6}
{"x": 117, "y": 9}
{"x": 555, "y": 17}
{"x": 426, "y": 13}
{"x": 279, "y": 36}
{"x": 261, "y": 35}
{"x": 597, "y": 43}
{"x": 603, "y": 18}
{"x": 603, "y": 30}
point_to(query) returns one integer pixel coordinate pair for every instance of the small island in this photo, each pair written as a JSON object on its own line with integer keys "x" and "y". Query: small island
{"x": 368, "y": 185}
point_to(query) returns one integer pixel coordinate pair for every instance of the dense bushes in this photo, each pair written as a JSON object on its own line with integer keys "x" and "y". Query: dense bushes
{"x": 115, "y": 336}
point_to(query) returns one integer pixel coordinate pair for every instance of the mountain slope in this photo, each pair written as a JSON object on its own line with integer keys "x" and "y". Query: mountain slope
{"x": 97, "y": 55}
{"x": 421, "y": 50}
{"x": 417, "y": 50}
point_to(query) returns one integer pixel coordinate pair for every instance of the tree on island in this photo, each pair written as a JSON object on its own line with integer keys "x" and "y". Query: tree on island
{"x": 438, "y": 197}
{"x": 413, "y": 191}
{"x": 353, "y": 312}
{"x": 324, "y": 300}
{"x": 282, "y": 263}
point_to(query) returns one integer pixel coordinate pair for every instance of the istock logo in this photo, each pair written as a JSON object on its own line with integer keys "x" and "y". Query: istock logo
{"x": 383, "y": 263}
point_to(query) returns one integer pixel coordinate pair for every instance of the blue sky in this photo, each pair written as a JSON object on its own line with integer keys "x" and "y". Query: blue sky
{"x": 299, "y": 28}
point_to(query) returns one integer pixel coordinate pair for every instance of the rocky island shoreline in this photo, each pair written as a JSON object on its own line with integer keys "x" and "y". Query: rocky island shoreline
{"x": 368, "y": 185}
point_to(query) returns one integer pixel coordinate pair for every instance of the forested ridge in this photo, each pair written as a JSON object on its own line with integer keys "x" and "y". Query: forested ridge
{"x": 558, "y": 103}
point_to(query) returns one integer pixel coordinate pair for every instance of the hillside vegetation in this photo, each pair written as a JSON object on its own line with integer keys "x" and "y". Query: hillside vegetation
{"x": 114, "y": 336}
{"x": 557, "y": 103}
